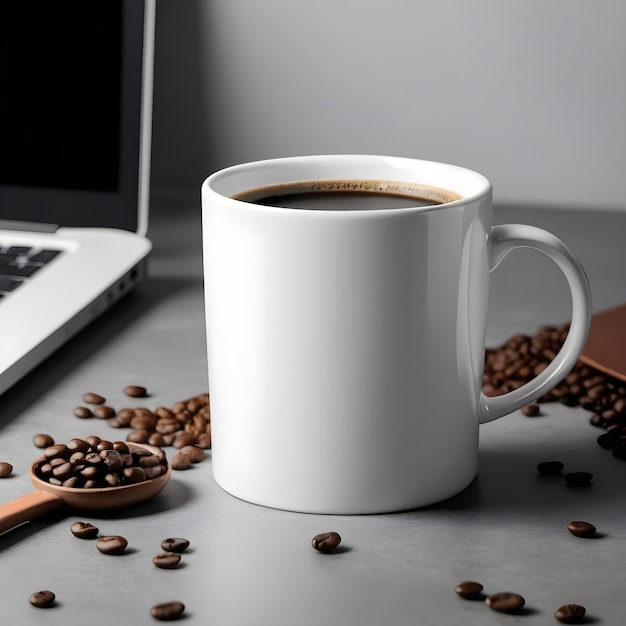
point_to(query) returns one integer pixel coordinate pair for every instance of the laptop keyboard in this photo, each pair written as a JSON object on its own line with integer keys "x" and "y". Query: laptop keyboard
{"x": 19, "y": 263}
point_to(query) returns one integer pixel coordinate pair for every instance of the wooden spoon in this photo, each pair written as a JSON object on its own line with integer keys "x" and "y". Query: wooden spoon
{"x": 47, "y": 498}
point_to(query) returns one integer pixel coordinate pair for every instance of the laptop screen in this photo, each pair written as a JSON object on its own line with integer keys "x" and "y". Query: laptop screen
{"x": 71, "y": 111}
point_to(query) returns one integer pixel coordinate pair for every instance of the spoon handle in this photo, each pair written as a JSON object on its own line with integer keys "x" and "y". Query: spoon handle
{"x": 27, "y": 508}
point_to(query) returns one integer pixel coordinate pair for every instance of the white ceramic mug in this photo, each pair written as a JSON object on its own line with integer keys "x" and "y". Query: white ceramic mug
{"x": 346, "y": 348}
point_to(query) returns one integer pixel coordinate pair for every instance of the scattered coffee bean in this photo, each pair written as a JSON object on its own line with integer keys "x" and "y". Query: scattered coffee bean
{"x": 550, "y": 468}
{"x": 84, "y": 530}
{"x": 83, "y": 412}
{"x": 104, "y": 412}
{"x": 181, "y": 461}
{"x": 578, "y": 478}
{"x": 93, "y": 398}
{"x": 581, "y": 529}
{"x": 505, "y": 602}
{"x": 326, "y": 542}
{"x": 167, "y": 611}
{"x": 136, "y": 391}
{"x": 469, "y": 590}
{"x": 167, "y": 560}
{"x": 531, "y": 410}
{"x": 42, "y": 440}
{"x": 42, "y": 599}
{"x": 5, "y": 469}
{"x": 195, "y": 453}
{"x": 111, "y": 544}
{"x": 175, "y": 544}
{"x": 570, "y": 613}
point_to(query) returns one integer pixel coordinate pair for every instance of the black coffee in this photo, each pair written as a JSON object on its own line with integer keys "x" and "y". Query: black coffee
{"x": 347, "y": 195}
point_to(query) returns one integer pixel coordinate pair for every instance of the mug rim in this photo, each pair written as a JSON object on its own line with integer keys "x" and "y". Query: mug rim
{"x": 221, "y": 183}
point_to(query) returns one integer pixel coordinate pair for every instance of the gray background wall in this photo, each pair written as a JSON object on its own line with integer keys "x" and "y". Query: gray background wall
{"x": 531, "y": 93}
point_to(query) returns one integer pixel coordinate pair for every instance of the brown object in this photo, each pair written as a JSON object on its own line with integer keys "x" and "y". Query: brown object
{"x": 571, "y": 614}
{"x": 506, "y": 602}
{"x": 605, "y": 349}
{"x": 469, "y": 590}
{"x": 47, "y": 498}
{"x": 581, "y": 529}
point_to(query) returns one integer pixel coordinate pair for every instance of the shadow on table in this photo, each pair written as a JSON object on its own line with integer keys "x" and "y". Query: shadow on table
{"x": 89, "y": 340}
{"x": 508, "y": 480}
{"x": 176, "y": 494}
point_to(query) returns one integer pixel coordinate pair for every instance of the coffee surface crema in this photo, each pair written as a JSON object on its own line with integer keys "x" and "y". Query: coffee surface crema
{"x": 347, "y": 195}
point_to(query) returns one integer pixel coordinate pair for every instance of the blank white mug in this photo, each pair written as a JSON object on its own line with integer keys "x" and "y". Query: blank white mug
{"x": 346, "y": 348}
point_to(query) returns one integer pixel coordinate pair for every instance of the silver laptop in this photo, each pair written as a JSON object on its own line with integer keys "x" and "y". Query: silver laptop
{"x": 75, "y": 126}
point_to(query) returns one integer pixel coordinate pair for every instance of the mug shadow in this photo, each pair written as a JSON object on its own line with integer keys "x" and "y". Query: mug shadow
{"x": 508, "y": 480}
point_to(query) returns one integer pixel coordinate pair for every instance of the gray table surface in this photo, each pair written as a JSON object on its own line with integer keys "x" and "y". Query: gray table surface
{"x": 252, "y": 565}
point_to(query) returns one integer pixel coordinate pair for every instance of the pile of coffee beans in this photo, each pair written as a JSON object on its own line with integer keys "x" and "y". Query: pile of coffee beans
{"x": 523, "y": 357}
{"x": 186, "y": 425}
{"x": 94, "y": 463}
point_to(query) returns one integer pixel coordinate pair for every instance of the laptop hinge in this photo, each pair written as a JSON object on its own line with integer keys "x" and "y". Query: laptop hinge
{"x": 33, "y": 227}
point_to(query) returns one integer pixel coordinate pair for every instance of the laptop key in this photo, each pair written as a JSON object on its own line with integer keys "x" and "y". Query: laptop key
{"x": 19, "y": 270}
{"x": 43, "y": 256}
{"x": 15, "y": 250}
{"x": 9, "y": 284}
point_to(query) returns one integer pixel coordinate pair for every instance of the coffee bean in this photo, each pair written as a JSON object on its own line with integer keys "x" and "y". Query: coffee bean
{"x": 57, "y": 451}
{"x": 505, "y": 602}
{"x": 578, "y": 478}
{"x": 84, "y": 530}
{"x": 181, "y": 461}
{"x": 521, "y": 357}
{"x": 83, "y": 412}
{"x": 42, "y": 599}
{"x": 43, "y": 440}
{"x": 136, "y": 391}
{"x": 104, "y": 412}
{"x": 469, "y": 590}
{"x": 167, "y": 611}
{"x": 111, "y": 544}
{"x": 175, "y": 544}
{"x": 326, "y": 542}
{"x": 570, "y": 613}
{"x": 167, "y": 560}
{"x": 183, "y": 439}
{"x": 77, "y": 445}
{"x": 550, "y": 468}
{"x": 531, "y": 410}
{"x": 93, "y": 398}
{"x": 581, "y": 529}
{"x": 5, "y": 469}
{"x": 94, "y": 462}
{"x": 134, "y": 475}
{"x": 195, "y": 453}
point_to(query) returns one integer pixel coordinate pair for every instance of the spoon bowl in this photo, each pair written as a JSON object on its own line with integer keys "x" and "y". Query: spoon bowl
{"x": 47, "y": 497}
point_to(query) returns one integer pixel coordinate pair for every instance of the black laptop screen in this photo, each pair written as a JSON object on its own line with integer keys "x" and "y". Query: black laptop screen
{"x": 70, "y": 109}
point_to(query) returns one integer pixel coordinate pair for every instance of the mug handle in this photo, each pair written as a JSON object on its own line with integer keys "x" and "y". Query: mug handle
{"x": 502, "y": 240}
